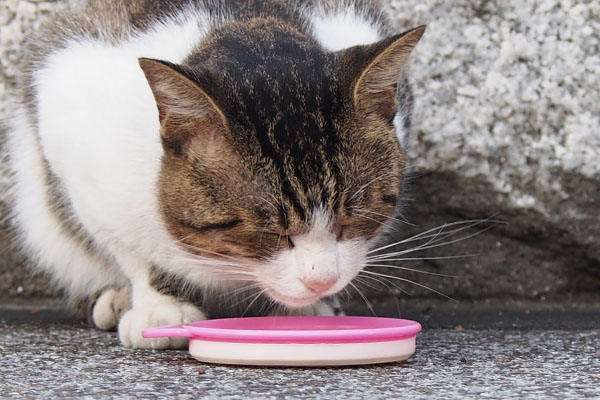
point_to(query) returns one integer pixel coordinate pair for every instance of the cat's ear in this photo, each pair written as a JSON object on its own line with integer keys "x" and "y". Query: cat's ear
{"x": 377, "y": 69}
{"x": 184, "y": 109}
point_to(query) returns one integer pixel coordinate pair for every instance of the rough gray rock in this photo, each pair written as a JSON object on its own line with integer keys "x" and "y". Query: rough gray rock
{"x": 507, "y": 124}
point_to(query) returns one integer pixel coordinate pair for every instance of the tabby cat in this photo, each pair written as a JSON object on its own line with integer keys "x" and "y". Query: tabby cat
{"x": 176, "y": 160}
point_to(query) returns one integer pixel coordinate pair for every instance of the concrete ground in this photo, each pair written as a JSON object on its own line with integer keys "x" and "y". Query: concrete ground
{"x": 494, "y": 354}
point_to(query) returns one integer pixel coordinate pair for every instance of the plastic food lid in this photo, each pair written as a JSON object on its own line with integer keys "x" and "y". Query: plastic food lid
{"x": 292, "y": 330}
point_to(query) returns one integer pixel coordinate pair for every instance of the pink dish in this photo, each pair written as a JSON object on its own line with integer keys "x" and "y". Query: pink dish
{"x": 296, "y": 341}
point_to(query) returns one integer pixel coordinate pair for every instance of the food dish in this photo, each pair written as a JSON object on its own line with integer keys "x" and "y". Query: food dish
{"x": 296, "y": 341}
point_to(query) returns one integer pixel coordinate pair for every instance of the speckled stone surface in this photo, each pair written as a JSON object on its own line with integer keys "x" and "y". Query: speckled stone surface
{"x": 68, "y": 360}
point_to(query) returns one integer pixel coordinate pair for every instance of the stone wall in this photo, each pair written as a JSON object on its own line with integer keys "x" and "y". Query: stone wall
{"x": 506, "y": 126}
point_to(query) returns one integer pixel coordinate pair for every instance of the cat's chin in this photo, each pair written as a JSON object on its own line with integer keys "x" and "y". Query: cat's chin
{"x": 292, "y": 302}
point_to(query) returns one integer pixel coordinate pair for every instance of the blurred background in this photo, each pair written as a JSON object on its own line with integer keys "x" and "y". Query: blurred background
{"x": 504, "y": 192}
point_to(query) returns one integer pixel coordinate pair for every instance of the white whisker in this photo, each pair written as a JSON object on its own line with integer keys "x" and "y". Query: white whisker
{"x": 360, "y": 279}
{"x": 385, "y": 282}
{"x": 430, "y": 245}
{"x": 384, "y": 257}
{"x": 239, "y": 290}
{"x": 253, "y": 301}
{"x": 366, "y": 185}
{"x": 438, "y": 230}
{"x": 347, "y": 294}
{"x": 414, "y": 270}
{"x": 409, "y": 281}
{"x": 213, "y": 253}
{"x": 388, "y": 217}
{"x": 363, "y": 297}
{"x": 369, "y": 218}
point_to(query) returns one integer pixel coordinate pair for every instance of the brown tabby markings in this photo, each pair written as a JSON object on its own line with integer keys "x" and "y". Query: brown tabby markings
{"x": 273, "y": 123}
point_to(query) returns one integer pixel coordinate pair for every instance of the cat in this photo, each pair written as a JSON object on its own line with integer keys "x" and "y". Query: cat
{"x": 189, "y": 159}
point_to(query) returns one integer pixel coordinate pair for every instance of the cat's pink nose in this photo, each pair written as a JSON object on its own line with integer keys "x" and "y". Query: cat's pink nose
{"x": 319, "y": 285}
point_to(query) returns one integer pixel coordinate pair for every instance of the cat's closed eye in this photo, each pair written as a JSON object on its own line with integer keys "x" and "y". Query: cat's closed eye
{"x": 281, "y": 240}
{"x": 210, "y": 227}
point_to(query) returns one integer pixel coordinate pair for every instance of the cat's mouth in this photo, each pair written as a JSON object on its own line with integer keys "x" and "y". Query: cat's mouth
{"x": 291, "y": 301}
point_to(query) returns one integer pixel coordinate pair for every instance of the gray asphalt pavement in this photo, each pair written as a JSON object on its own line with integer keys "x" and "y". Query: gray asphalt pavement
{"x": 41, "y": 359}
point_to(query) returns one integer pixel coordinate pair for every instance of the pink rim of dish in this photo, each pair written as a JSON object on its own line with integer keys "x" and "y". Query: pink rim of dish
{"x": 292, "y": 330}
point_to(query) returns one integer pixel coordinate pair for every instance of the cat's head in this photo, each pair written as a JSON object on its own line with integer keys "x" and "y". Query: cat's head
{"x": 282, "y": 157}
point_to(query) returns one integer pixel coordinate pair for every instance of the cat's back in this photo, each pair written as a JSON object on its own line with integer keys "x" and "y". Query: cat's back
{"x": 143, "y": 13}
{"x": 116, "y": 21}
{"x": 101, "y": 40}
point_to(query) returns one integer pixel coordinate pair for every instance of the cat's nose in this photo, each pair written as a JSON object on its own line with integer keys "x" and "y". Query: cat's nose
{"x": 319, "y": 284}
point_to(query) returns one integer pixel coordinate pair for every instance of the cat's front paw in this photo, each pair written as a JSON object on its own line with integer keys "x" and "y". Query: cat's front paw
{"x": 109, "y": 307}
{"x": 137, "y": 319}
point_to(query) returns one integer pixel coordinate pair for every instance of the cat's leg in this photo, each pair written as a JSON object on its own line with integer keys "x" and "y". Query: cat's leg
{"x": 329, "y": 307}
{"x": 150, "y": 308}
{"x": 109, "y": 306}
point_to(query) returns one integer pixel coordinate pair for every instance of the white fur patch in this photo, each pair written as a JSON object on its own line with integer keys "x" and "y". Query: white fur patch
{"x": 166, "y": 312}
{"x": 68, "y": 262}
{"x": 342, "y": 28}
{"x": 99, "y": 130}
{"x": 401, "y": 133}
{"x": 109, "y": 307}
{"x": 319, "y": 265}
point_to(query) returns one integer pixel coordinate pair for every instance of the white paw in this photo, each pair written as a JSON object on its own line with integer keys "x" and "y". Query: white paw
{"x": 109, "y": 307}
{"x": 137, "y": 319}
